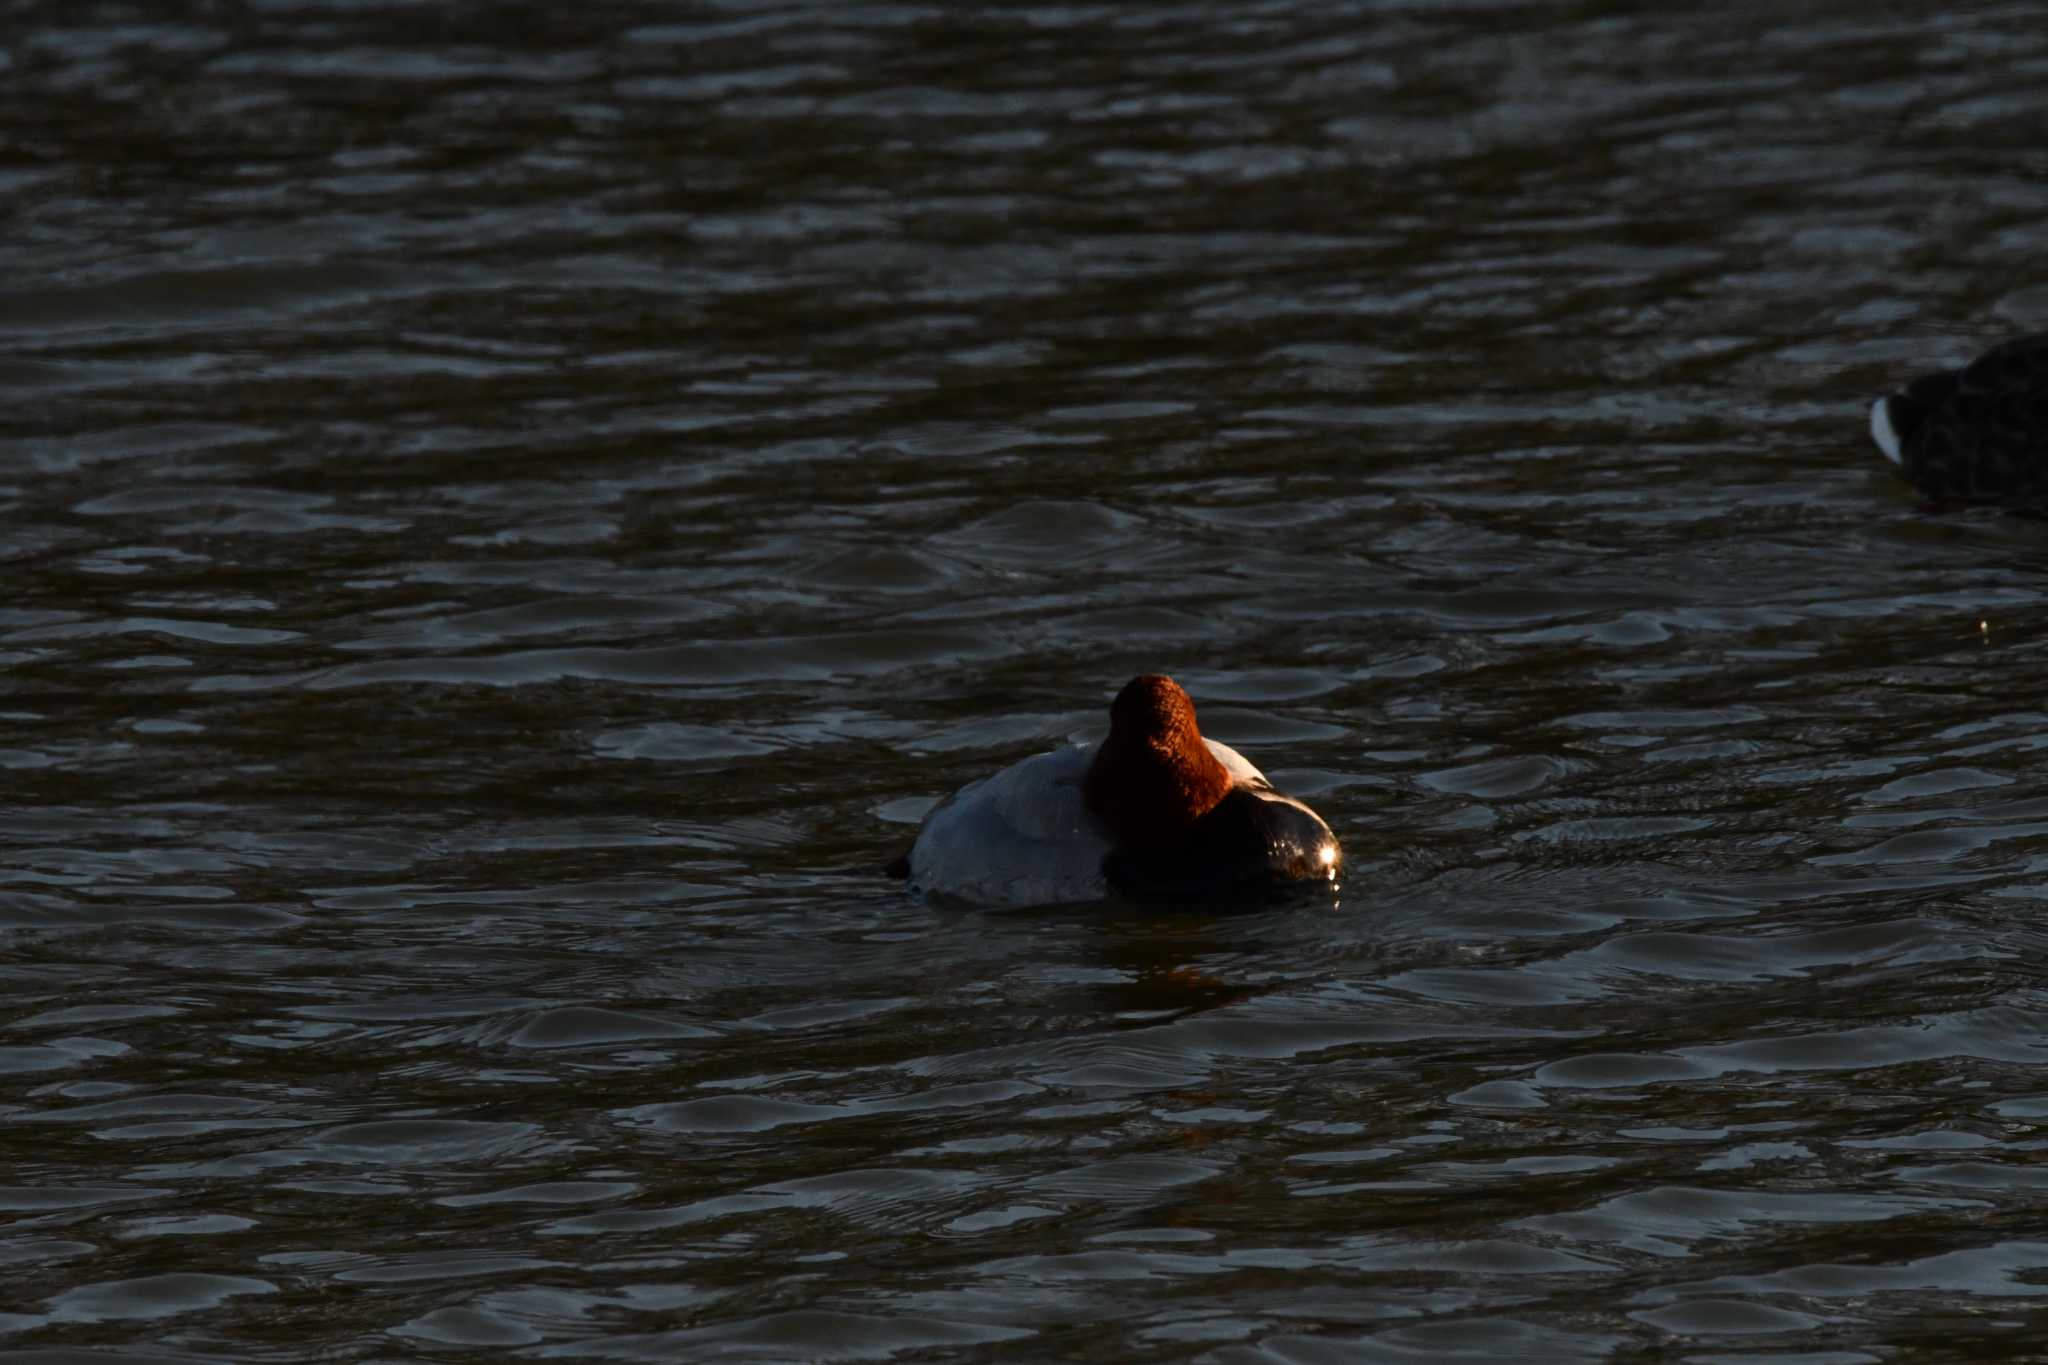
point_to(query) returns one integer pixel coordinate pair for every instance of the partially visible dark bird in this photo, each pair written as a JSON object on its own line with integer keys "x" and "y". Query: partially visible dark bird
{"x": 1978, "y": 434}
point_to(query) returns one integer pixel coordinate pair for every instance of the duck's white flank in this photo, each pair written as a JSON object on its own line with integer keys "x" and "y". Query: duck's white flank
{"x": 1882, "y": 432}
{"x": 1025, "y": 835}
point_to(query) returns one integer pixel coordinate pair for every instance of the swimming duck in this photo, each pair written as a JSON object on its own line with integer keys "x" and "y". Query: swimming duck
{"x": 1154, "y": 812}
{"x": 1978, "y": 434}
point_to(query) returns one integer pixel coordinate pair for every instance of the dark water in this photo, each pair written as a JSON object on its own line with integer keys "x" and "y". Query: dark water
{"x": 510, "y": 516}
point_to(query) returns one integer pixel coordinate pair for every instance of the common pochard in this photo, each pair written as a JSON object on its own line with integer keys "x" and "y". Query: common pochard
{"x": 1155, "y": 812}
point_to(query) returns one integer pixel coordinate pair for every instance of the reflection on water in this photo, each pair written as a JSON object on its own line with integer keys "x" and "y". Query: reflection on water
{"x": 509, "y": 525}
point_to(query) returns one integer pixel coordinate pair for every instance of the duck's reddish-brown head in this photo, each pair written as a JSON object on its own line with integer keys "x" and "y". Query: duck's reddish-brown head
{"x": 1153, "y": 777}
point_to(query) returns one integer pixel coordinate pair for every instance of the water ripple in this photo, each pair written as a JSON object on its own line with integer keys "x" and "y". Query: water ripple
{"x": 508, "y": 530}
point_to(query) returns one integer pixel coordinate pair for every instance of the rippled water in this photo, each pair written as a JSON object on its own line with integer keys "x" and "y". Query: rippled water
{"x": 509, "y": 520}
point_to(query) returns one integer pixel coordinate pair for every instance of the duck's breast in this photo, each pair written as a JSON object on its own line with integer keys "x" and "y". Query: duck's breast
{"x": 1256, "y": 840}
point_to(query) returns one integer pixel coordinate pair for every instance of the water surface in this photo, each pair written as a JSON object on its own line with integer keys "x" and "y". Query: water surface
{"x": 509, "y": 521}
